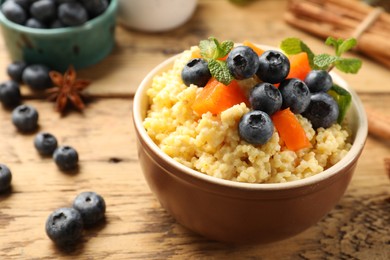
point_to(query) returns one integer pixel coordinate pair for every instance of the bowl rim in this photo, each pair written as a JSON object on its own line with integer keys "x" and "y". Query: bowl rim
{"x": 112, "y": 7}
{"x": 356, "y": 148}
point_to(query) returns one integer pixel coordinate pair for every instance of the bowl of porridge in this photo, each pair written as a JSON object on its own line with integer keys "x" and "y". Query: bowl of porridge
{"x": 216, "y": 183}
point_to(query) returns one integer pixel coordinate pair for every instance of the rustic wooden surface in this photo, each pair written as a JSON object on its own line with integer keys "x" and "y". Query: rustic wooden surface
{"x": 136, "y": 227}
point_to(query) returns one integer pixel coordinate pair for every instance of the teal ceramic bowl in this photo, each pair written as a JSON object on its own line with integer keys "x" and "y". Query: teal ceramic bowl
{"x": 80, "y": 46}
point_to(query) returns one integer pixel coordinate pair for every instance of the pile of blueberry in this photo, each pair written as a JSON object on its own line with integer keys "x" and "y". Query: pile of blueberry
{"x": 47, "y": 14}
{"x": 308, "y": 97}
{"x": 65, "y": 226}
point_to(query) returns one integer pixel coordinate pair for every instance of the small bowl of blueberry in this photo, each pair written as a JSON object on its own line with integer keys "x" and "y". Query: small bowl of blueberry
{"x": 58, "y": 33}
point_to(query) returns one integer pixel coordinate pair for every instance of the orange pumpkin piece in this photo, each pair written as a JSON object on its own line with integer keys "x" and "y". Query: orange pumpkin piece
{"x": 299, "y": 66}
{"x": 256, "y": 49}
{"x": 290, "y": 130}
{"x": 217, "y": 97}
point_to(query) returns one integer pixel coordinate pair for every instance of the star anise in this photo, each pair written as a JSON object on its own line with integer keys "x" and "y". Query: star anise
{"x": 67, "y": 88}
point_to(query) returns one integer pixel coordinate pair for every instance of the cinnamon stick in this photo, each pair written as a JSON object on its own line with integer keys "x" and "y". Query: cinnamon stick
{"x": 378, "y": 124}
{"x": 340, "y": 19}
{"x": 387, "y": 166}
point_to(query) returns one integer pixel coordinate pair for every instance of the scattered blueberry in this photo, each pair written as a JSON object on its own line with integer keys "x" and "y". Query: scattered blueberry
{"x": 10, "y": 95}
{"x": 196, "y": 72}
{"x": 94, "y": 7}
{"x": 256, "y": 127}
{"x": 25, "y": 118}
{"x": 72, "y": 14}
{"x": 64, "y": 226}
{"x": 274, "y": 67}
{"x": 66, "y": 158}
{"x": 91, "y": 207}
{"x": 14, "y": 12}
{"x": 5, "y": 178}
{"x": 265, "y": 97}
{"x": 15, "y": 70}
{"x": 242, "y": 62}
{"x": 318, "y": 81}
{"x": 43, "y": 10}
{"x": 296, "y": 95}
{"x": 37, "y": 76}
{"x": 45, "y": 143}
{"x": 34, "y": 23}
{"x": 322, "y": 111}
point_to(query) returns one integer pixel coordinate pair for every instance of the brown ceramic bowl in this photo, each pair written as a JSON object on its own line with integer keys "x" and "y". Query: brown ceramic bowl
{"x": 241, "y": 212}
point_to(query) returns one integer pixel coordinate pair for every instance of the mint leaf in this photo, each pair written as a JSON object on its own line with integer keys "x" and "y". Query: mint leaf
{"x": 208, "y": 48}
{"x": 213, "y": 49}
{"x": 341, "y": 46}
{"x": 292, "y": 46}
{"x": 331, "y": 41}
{"x": 225, "y": 47}
{"x": 348, "y": 65}
{"x": 335, "y": 42}
{"x": 347, "y": 45}
{"x": 343, "y": 99}
{"x": 220, "y": 71}
{"x": 324, "y": 61}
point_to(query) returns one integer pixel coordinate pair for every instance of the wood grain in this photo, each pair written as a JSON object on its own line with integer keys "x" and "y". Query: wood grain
{"x": 136, "y": 226}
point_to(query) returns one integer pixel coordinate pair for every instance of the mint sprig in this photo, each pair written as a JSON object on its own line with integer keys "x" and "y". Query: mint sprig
{"x": 347, "y": 65}
{"x": 212, "y": 50}
{"x": 325, "y": 61}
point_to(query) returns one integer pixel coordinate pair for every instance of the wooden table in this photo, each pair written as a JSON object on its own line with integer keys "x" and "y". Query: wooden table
{"x": 136, "y": 226}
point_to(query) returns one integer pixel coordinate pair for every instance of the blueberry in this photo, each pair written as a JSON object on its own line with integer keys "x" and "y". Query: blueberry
{"x": 25, "y": 4}
{"x": 91, "y": 207}
{"x": 265, "y": 97}
{"x": 318, "y": 81}
{"x": 274, "y": 67}
{"x": 5, "y": 178}
{"x": 322, "y": 111}
{"x": 94, "y": 7}
{"x": 34, "y": 23}
{"x": 37, "y": 76}
{"x": 43, "y": 10}
{"x": 296, "y": 95}
{"x": 25, "y": 118}
{"x": 64, "y": 226}
{"x": 15, "y": 70}
{"x": 242, "y": 62}
{"x": 66, "y": 158}
{"x": 256, "y": 127}
{"x": 10, "y": 94}
{"x": 56, "y": 24}
{"x": 14, "y": 12}
{"x": 72, "y": 14}
{"x": 58, "y": 2}
{"x": 45, "y": 143}
{"x": 196, "y": 72}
